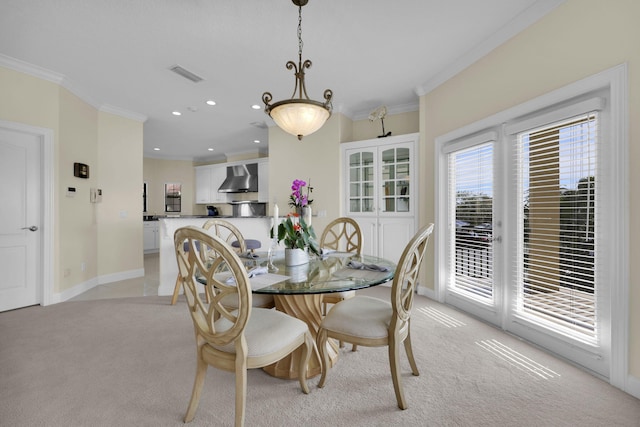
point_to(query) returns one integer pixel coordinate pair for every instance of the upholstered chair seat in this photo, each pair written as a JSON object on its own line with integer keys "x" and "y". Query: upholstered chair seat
{"x": 266, "y": 332}
{"x": 360, "y": 316}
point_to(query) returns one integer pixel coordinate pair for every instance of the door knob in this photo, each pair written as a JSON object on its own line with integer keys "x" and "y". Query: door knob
{"x": 32, "y": 228}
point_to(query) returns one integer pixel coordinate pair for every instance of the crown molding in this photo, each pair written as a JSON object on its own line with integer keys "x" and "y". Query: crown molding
{"x": 30, "y": 69}
{"x": 123, "y": 113}
{"x": 61, "y": 80}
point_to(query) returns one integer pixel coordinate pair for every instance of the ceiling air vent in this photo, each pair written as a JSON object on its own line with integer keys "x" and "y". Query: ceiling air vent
{"x": 186, "y": 73}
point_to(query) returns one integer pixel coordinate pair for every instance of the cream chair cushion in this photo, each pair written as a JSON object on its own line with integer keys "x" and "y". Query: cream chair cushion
{"x": 266, "y": 332}
{"x": 360, "y": 316}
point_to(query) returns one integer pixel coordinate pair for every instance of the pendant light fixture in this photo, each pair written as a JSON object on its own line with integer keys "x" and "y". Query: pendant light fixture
{"x": 299, "y": 116}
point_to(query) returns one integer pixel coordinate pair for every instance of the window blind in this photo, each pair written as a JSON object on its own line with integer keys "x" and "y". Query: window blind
{"x": 471, "y": 204}
{"x": 558, "y": 241}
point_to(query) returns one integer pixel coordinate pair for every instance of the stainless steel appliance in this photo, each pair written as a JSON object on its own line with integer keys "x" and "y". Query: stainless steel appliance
{"x": 248, "y": 209}
{"x": 240, "y": 179}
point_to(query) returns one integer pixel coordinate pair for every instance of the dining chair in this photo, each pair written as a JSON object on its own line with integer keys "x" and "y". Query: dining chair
{"x": 372, "y": 322}
{"x": 342, "y": 234}
{"x": 230, "y": 234}
{"x": 232, "y": 339}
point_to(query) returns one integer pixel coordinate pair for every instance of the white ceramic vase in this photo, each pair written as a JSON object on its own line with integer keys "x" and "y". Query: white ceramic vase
{"x": 298, "y": 273}
{"x": 295, "y": 257}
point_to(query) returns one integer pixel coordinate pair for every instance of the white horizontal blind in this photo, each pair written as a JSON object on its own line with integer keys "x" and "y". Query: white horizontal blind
{"x": 558, "y": 241}
{"x": 471, "y": 204}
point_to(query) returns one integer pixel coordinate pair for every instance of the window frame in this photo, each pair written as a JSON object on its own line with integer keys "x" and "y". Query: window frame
{"x": 614, "y": 81}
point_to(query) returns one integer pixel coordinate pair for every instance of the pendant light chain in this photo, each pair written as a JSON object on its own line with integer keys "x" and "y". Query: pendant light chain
{"x": 300, "y": 43}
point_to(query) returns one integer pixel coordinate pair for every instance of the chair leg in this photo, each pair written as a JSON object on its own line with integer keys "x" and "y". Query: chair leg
{"x": 321, "y": 341}
{"x": 409, "y": 349}
{"x": 307, "y": 349}
{"x": 176, "y": 290}
{"x": 241, "y": 390}
{"x": 394, "y": 361}
{"x": 201, "y": 372}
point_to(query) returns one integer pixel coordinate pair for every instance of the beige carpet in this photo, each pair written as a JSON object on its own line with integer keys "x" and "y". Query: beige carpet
{"x": 130, "y": 362}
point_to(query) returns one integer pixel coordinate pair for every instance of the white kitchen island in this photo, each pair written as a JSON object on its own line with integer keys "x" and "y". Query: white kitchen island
{"x": 256, "y": 228}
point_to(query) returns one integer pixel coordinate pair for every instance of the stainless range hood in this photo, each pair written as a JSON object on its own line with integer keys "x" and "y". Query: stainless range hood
{"x": 240, "y": 179}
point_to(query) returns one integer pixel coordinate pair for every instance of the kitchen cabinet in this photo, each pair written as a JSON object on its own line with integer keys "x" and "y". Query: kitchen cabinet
{"x": 208, "y": 180}
{"x": 151, "y": 236}
{"x": 381, "y": 194}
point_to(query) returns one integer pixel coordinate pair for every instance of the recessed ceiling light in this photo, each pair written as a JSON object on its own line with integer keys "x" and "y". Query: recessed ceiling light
{"x": 211, "y": 102}
{"x": 210, "y": 149}
{"x": 156, "y": 149}
{"x": 256, "y": 107}
{"x": 192, "y": 109}
{"x": 176, "y": 113}
{"x": 257, "y": 141}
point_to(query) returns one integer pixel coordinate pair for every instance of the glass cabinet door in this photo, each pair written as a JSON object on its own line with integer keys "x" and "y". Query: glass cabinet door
{"x": 395, "y": 177}
{"x": 361, "y": 181}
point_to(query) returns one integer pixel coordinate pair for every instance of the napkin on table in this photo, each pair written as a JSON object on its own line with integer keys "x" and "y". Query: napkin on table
{"x": 362, "y": 266}
{"x": 252, "y": 273}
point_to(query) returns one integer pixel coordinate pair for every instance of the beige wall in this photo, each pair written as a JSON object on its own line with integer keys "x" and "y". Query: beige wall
{"x": 578, "y": 39}
{"x": 120, "y": 178}
{"x": 78, "y": 238}
{"x": 157, "y": 173}
{"x": 82, "y": 134}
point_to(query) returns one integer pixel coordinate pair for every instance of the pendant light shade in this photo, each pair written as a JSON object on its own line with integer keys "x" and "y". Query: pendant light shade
{"x": 299, "y": 116}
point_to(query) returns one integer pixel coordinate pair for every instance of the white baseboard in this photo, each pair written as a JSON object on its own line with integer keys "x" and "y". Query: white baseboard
{"x": 123, "y": 275}
{"x": 633, "y": 386}
{"x": 74, "y": 292}
{"x": 92, "y": 283}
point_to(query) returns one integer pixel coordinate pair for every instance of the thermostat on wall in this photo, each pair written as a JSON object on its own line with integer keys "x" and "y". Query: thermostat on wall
{"x": 81, "y": 170}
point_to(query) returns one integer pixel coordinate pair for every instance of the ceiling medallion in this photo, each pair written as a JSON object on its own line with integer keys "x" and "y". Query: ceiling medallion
{"x": 299, "y": 116}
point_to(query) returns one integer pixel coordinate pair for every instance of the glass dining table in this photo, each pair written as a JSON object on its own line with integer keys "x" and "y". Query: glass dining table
{"x": 298, "y": 291}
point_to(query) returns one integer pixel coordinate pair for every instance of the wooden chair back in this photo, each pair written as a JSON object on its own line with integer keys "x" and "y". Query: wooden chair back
{"x": 226, "y": 277}
{"x": 228, "y": 232}
{"x": 342, "y": 234}
{"x": 406, "y": 278}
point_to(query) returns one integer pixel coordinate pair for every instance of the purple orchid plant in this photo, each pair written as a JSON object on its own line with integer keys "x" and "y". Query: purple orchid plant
{"x": 298, "y": 198}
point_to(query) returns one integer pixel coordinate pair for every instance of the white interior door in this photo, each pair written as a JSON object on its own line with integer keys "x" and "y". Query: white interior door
{"x": 20, "y": 219}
